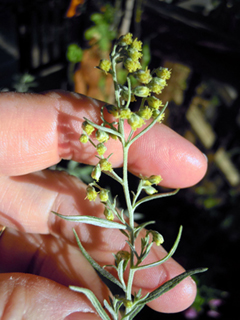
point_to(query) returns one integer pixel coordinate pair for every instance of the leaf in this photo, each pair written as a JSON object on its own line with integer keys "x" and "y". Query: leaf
{"x": 95, "y": 265}
{"x": 120, "y": 270}
{"x": 93, "y": 221}
{"x": 171, "y": 284}
{"x": 91, "y": 296}
{"x": 155, "y": 196}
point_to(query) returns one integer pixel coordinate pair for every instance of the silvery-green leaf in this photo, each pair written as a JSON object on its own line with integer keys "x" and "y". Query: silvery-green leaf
{"x": 104, "y": 223}
{"x": 91, "y": 296}
{"x": 110, "y": 310}
{"x": 171, "y": 284}
{"x": 120, "y": 271}
{"x": 155, "y": 196}
{"x": 95, "y": 265}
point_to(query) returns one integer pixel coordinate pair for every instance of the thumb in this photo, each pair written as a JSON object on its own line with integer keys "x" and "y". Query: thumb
{"x": 33, "y": 297}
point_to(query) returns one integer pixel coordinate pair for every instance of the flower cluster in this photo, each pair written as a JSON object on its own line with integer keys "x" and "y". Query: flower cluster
{"x": 129, "y": 52}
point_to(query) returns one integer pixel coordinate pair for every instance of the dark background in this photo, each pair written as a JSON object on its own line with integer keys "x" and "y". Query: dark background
{"x": 200, "y": 41}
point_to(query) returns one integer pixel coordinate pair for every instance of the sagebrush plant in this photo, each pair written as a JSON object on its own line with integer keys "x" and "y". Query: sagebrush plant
{"x": 127, "y": 52}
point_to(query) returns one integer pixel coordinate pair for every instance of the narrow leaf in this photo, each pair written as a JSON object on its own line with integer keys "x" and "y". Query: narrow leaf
{"x": 171, "y": 284}
{"x": 155, "y": 196}
{"x": 91, "y": 296}
{"x": 104, "y": 223}
{"x": 95, "y": 265}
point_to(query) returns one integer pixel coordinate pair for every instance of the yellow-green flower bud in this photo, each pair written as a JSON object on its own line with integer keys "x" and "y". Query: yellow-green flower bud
{"x": 83, "y": 138}
{"x": 91, "y": 193}
{"x": 145, "y": 113}
{"x": 132, "y": 65}
{"x": 143, "y": 76}
{"x": 88, "y": 128}
{"x": 102, "y": 136}
{"x": 163, "y": 73}
{"x": 108, "y": 214}
{"x": 101, "y": 149}
{"x": 105, "y": 65}
{"x": 141, "y": 91}
{"x": 154, "y": 102}
{"x": 150, "y": 190}
{"x": 127, "y": 303}
{"x": 156, "y": 85}
{"x": 136, "y": 44}
{"x": 96, "y": 172}
{"x": 135, "y": 121}
{"x": 125, "y": 113}
{"x": 154, "y": 179}
{"x": 103, "y": 195}
{"x": 126, "y": 40}
{"x": 157, "y": 238}
{"x": 105, "y": 165}
{"x": 134, "y": 54}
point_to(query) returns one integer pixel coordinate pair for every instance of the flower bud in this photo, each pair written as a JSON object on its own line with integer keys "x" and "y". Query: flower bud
{"x": 132, "y": 65}
{"x": 135, "y": 121}
{"x": 134, "y": 54}
{"x": 105, "y": 165}
{"x": 88, "y": 128}
{"x": 156, "y": 85}
{"x": 157, "y": 238}
{"x": 126, "y": 40}
{"x": 108, "y": 214}
{"x": 145, "y": 113}
{"x": 141, "y": 91}
{"x": 150, "y": 190}
{"x": 103, "y": 195}
{"x": 91, "y": 193}
{"x": 154, "y": 102}
{"x": 163, "y": 73}
{"x": 154, "y": 179}
{"x": 127, "y": 303}
{"x": 143, "y": 76}
{"x": 83, "y": 138}
{"x": 105, "y": 65}
{"x": 101, "y": 149}
{"x": 136, "y": 44}
{"x": 96, "y": 172}
{"x": 102, "y": 136}
{"x": 125, "y": 113}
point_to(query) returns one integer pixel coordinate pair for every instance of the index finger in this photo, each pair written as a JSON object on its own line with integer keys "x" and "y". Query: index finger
{"x": 38, "y": 130}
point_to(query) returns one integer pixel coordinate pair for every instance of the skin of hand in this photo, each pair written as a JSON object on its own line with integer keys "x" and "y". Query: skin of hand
{"x": 39, "y": 257}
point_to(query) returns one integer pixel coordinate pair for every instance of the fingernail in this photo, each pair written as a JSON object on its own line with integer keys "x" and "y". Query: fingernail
{"x": 82, "y": 316}
{"x": 205, "y": 156}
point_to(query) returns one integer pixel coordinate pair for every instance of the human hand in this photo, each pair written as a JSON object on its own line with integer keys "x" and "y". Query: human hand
{"x": 39, "y": 257}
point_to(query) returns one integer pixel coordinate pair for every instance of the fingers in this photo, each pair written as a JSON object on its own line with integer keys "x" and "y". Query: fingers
{"x": 26, "y": 296}
{"x": 37, "y": 131}
{"x": 41, "y": 279}
{"x": 49, "y": 257}
{"x": 65, "y": 194}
